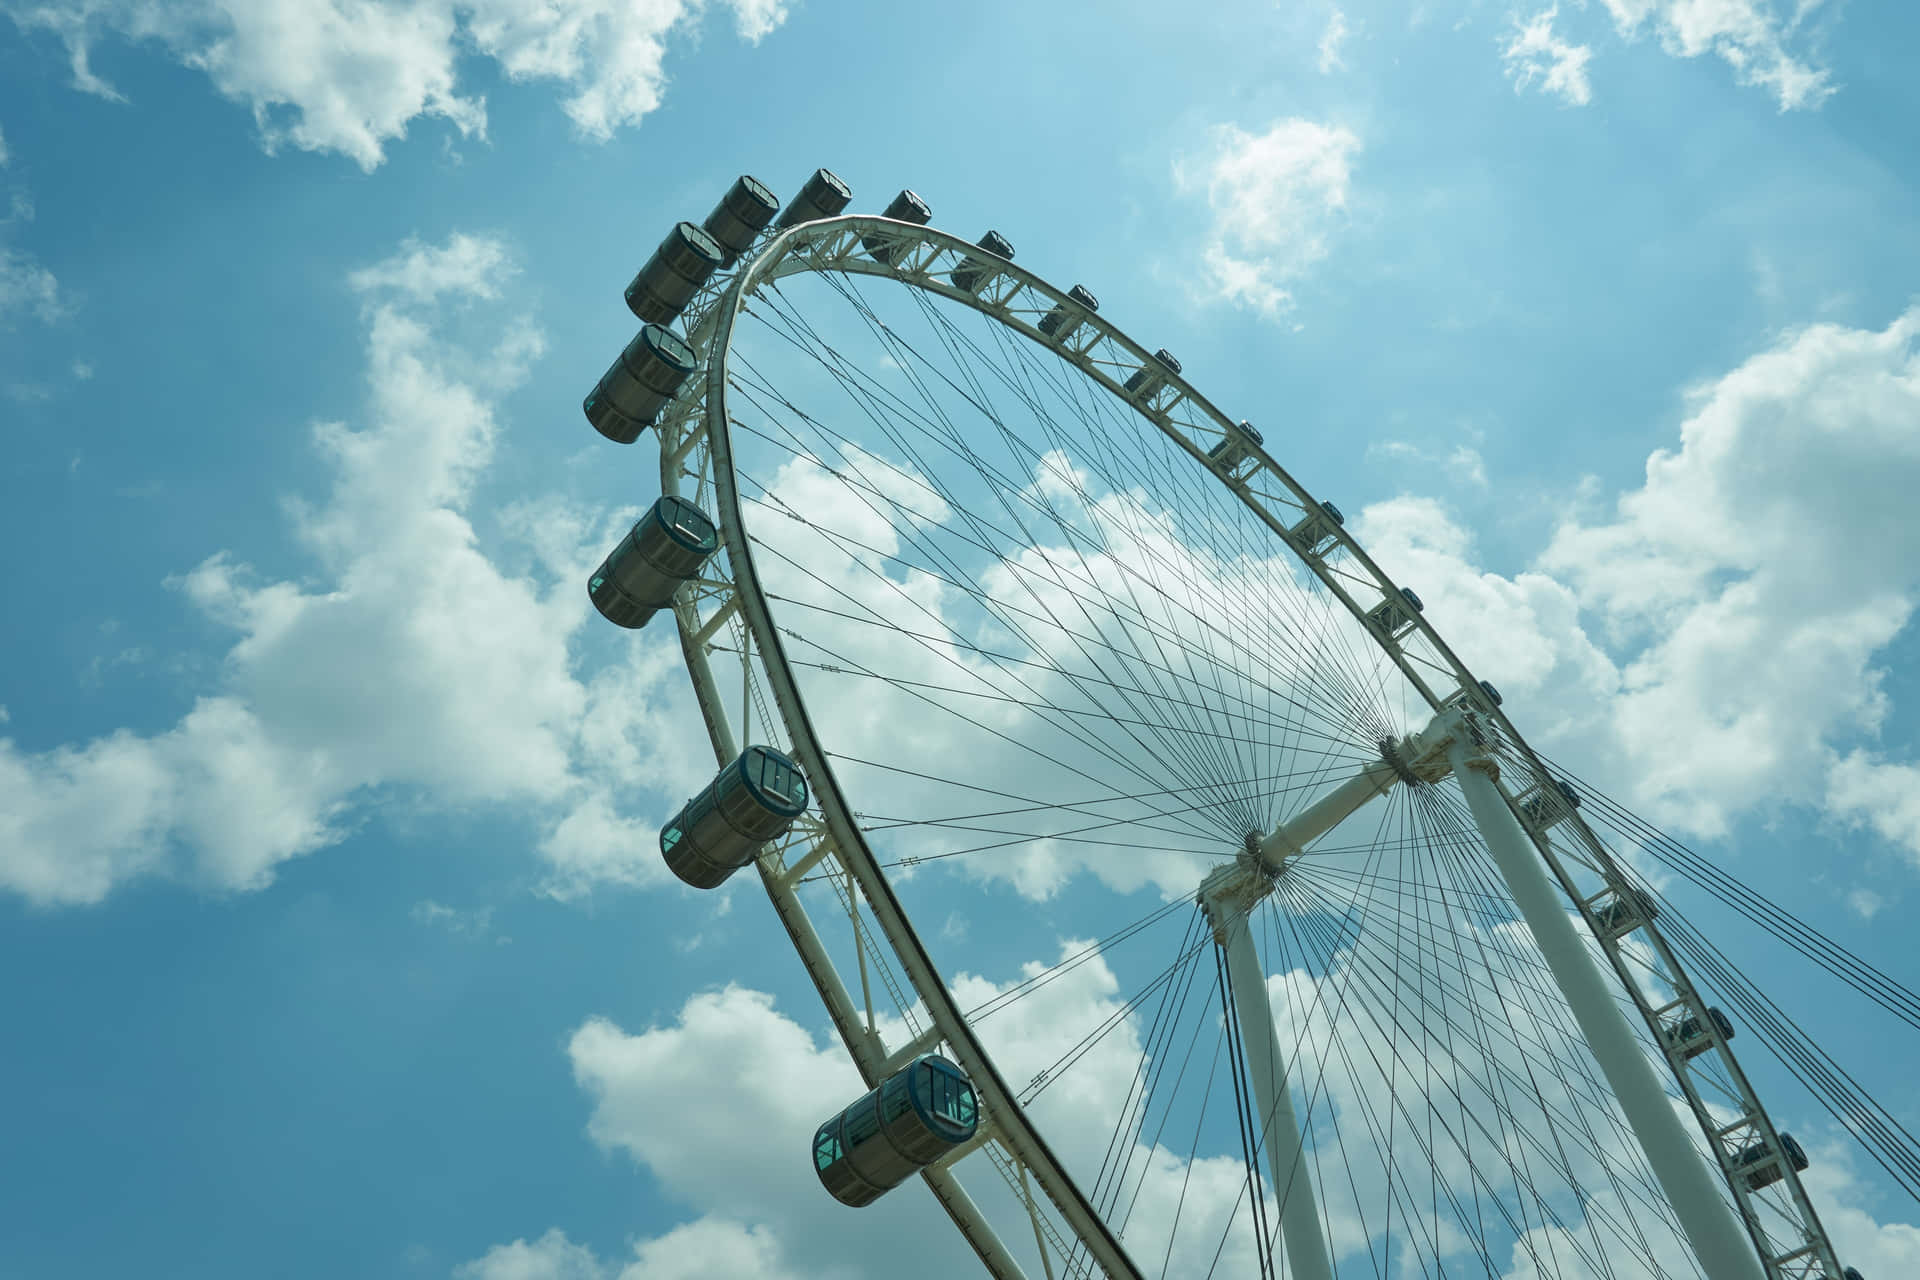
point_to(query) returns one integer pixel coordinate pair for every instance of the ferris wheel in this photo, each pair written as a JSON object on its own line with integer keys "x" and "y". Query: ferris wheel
{"x": 983, "y": 602}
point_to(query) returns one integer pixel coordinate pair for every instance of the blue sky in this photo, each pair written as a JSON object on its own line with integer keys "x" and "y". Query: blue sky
{"x": 327, "y": 806}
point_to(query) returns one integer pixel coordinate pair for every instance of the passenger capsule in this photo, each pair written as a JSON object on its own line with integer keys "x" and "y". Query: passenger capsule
{"x": 630, "y": 396}
{"x": 1232, "y": 449}
{"x": 1493, "y": 694}
{"x": 1690, "y": 1037}
{"x": 1626, "y": 911}
{"x": 918, "y": 1115}
{"x": 753, "y": 800}
{"x": 823, "y": 196}
{"x": 1393, "y": 617}
{"x": 1540, "y": 810}
{"x": 1314, "y": 534}
{"x": 906, "y": 207}
{"x": 674, "y": 274}
{"x": 1066, "y": 316}
{"x": 973, "y": 273}
{"x": 665, "y": 548}
{"x": 1147, "y": 379}
{"x": 742, "y": 214}
{"x": 1764, "y": 1168}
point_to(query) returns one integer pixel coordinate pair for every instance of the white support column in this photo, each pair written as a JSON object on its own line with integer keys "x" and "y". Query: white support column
{"x": 1280, "y": 1128}
{"x": 1228, "y": 895}
{"x": 1717, "y": 1239}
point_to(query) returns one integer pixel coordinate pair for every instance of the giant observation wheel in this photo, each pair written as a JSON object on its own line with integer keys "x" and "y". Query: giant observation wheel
{"x": 979, "y": 593}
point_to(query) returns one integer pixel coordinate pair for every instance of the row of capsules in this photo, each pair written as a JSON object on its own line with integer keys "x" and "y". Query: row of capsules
{"x": 928, "y": 1107}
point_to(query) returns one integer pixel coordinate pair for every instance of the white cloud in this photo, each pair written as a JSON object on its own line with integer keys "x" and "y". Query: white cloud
{"x": 77, "y": 820}
{"x": 1843, "y": 1200}
{"x": 701, "y": 1083}
{"x": 594, "y": 844}
{"x": 27, "y": 287}
{"x": 1276, "y": 199}
{"x": 475, "y": 922}
{"x": 1536, "y": 56}
{"x": 691, "y": 1251}
{"x": 1740, "y": 601}
{"x": 1745, "y": 34}
{"x": 466, "y": 265}
{"x": 755, "y": 20}
{"x": 1760, "y": 570}
{"x": 1462, "y": 462}
{"x": 410, "y": 658}
{"x": 1331, "y": 39}
{"x": 1866, "y": 792}
{"x": 350, "y": 76}
{"x": 551, "y": 1257}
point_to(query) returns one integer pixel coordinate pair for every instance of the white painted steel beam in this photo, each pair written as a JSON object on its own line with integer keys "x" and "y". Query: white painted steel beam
{"x": 1717, "y": 1239}
{"x": 1300, "y": 1231}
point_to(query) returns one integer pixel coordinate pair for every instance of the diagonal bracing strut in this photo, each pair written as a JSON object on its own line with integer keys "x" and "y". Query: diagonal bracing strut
{"x": 1453, "y": 743}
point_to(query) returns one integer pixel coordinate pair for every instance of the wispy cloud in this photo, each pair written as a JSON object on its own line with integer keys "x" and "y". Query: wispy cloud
{"x": 1276, "y": 199}
{"x": 1536, "y": 56}
{"x": 1331, "y": 39}
{"x": 475, "y": 922}
{"x": 1748, "y": 35}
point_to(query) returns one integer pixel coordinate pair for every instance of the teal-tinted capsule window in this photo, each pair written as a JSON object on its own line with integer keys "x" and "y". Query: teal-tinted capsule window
{"x": 951, "y": 1098}
{"x": 861, "y": 1125}
{"x": 895, "y": 1100}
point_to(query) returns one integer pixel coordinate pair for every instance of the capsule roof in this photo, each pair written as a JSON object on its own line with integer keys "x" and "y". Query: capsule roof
{"x": 908, "y": 207}
{"x": 666, "y": 345}
{"x": 695, "y": 237}
{"x": 762, "y": 194}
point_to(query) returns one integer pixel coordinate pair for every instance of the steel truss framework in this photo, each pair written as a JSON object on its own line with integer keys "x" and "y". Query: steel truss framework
{"x": 727, "y": 604}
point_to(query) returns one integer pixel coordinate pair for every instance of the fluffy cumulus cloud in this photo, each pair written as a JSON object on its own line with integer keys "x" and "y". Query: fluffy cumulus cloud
{"x": 1537, "y": 57}
{"x": 1844, "y": 1201}
{"x": 1276, "y": 200}
{"x": 709, "y": 1247}
{"x": 743, "y": 1083}
{"x": 1751, "y": 36}
{"x": 409, "y": 658}
{"x": 736, "y": 1079}
{"x": 1723, "y": 627}
{"x": 350, "y": 76}
{"x": 1863, "y": 791}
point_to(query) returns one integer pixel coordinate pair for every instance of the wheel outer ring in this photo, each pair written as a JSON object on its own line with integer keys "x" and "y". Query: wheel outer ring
{"x": 776, "y": 258}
